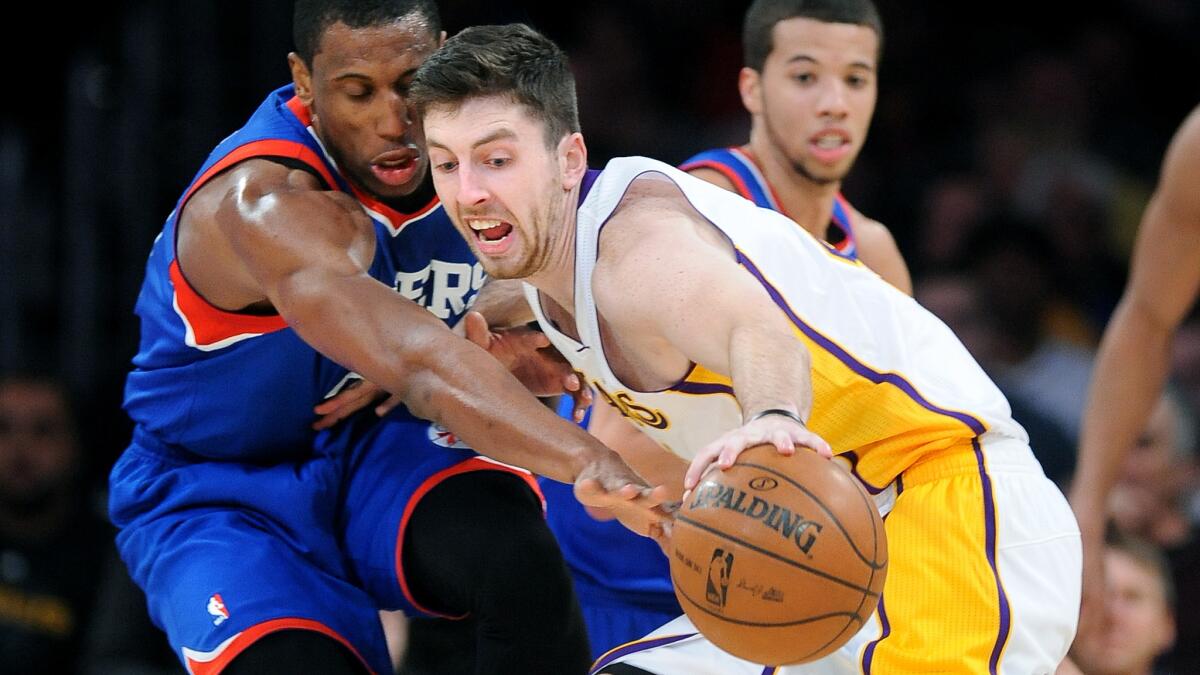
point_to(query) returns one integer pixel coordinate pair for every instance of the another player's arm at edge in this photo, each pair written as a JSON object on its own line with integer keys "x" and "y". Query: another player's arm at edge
{"x": 1133, "y": 361}
{"x": 876, "y": 247}
{"x": 309, "y": 250}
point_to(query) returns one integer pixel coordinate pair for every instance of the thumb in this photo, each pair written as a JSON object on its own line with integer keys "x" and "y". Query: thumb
{"x": 477, "y": 329}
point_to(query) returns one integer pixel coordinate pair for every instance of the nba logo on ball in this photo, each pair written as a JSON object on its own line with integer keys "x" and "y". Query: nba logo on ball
{"x": 810, "y": 551}
{"x": 719, "y": 569}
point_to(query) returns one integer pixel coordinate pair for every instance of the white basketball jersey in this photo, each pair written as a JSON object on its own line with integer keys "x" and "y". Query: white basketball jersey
{"x": 891, "y": 383}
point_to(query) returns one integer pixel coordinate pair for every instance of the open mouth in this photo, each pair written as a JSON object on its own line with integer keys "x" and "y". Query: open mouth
{"x": 830, "y": 146}
{"x": 396, "y": 167}
{"x": 493, "y": 236}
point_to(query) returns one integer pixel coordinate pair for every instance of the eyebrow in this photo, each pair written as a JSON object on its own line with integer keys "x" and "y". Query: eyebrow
{"x": 494, "y": 136}
{"x": 361, "y": 76}
{"x": 809, "y": 59}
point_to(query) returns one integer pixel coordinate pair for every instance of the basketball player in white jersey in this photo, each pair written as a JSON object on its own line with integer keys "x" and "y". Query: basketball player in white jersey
{"x": 717, "y": 325}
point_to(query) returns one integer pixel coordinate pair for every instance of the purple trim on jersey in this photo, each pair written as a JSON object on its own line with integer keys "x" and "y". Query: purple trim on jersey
{"x": 769, "y": 670}
{"x": 854, "y": 364}
{"x": 869, "y": 652}
{"x": 633, "y": 648}
{"x": 589, "y": 179}
{"x": 873, "y": 490}
{"x": 989, "y": 530}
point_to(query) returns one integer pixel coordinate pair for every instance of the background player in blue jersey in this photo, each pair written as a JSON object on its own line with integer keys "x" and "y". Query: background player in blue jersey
{"x": 809, "y": 83}
{"x": 264, "y": 547}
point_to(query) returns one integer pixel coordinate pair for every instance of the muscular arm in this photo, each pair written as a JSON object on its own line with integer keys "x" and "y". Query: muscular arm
{"x": 307, "y": 251}
{"x": 1132, "y": 363}
{"x": 692, "y": 302}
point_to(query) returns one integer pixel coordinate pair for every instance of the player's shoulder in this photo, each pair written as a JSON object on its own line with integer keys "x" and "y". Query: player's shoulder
{"x": 710, "y": 175}
{"x": 868, "y": 230}
{"x": 1184, "y": 152}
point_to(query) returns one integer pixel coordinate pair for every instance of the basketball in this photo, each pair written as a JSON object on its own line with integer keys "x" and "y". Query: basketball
{"x": 779, "y": 560}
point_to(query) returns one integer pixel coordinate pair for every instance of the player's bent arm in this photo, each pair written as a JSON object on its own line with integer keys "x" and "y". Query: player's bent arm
{"x": 877, "y": 249}
{"x": 310, "y": 250}
{"x": 696, "y": 300}
{"x": 1133, "y": 360}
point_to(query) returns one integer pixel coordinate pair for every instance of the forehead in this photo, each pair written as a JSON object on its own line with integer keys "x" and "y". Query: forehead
{"x": 30, "y": 397}
{"x": 825, "y": 42}
{"x": 1131, "y": 571}
{"x": 405, "y": 42}
{"x": 480, "y": 117}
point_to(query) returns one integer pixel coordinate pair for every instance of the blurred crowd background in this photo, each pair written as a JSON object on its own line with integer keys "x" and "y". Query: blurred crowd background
{"x": 1012, "y": 152}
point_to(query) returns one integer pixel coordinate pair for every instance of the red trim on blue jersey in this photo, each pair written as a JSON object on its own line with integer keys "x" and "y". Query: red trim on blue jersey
{"x": 745, "y": 152}
{"x": 215, "y": 661}
{"x": 738, "y": 183}
{"x": 397, "y": 218}
{"x": 210, "y": 325}
{"x": 264, "y": 148}
{"x": 465, "y": 466}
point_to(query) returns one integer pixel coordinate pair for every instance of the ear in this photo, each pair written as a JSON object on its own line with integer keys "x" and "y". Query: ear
{"x": 441, "y": 39}
{"x": 301, "y": 77}
{"x": 750, "y": 87}
{"x": 572, "y": 160}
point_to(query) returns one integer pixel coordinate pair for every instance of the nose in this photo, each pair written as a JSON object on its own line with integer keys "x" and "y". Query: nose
{"x": 832, "y": 100}
{"x": 471, "y": 189}
{"x": 394, "y": 118}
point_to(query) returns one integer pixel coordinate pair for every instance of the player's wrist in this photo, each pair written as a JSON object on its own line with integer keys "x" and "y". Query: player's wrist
{"x": 778, "y": 412}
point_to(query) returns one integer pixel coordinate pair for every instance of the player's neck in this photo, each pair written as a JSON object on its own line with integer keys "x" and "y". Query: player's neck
{"x": 808, "y": 203}
{"x": 556, "y": 278}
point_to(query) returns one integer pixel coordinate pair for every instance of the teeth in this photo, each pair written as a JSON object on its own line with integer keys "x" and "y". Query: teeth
{"x": 479, "y": 225}
{"x": 830, "y": 142}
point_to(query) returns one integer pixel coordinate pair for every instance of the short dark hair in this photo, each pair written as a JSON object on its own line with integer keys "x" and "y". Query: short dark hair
{"x": 759, "y": 25}
{"x": 513, "y": 60}
{"x": 311, "y": 17}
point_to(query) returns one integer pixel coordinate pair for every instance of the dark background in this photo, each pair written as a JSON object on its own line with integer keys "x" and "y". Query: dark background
{"x": 1057, "y": 112}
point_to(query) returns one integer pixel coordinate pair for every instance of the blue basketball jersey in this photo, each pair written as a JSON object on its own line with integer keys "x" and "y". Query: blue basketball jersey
{"x": 229, "y": 385}
{"x": 740, "y": 168}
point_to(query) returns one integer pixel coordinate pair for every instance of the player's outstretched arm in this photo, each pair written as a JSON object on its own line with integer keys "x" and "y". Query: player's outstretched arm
{"x": 309, "y": 251}
{"x": 1133, "y": 360}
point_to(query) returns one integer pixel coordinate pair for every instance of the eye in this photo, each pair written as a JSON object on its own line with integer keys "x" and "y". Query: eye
{"x": 805, "y": 78}
{"x": 445, "y": 167}
{"x": 359, "y": 94}
{"x": 498, "y": 162}
{"x": 857, "y": 81}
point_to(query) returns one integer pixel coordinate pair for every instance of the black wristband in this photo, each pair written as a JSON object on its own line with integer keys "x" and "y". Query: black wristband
{"x": 777, "y": 411}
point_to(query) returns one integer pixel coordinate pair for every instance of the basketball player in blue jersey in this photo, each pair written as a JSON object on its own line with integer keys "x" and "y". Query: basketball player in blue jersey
{"x": 717, "y": 325}
{"x": 1134, "y": 358}
{"x": 261, "y": 546}
{"x": 809, "y": 84}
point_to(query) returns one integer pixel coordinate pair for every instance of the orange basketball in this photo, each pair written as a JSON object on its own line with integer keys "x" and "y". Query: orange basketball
{"x": 779, "y": 560}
